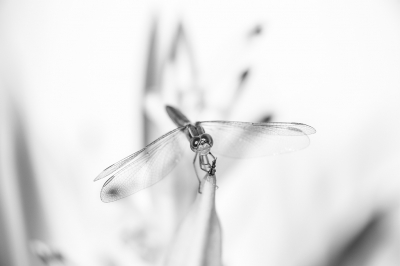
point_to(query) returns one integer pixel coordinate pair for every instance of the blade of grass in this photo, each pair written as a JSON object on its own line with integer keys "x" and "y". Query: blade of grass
{"x": 198, "y": 239}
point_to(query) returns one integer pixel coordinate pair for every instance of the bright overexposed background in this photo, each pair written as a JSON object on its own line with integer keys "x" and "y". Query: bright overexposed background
{"x": 84, "y": 83}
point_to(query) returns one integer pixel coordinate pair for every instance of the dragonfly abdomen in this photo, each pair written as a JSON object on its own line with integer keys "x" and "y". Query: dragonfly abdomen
{"x": 177, "y": 116}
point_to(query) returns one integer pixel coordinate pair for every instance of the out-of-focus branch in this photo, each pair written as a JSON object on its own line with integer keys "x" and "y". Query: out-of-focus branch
{"x": 198, "y": 239}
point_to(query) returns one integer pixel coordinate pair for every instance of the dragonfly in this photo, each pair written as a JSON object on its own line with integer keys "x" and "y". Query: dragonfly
{"x": 151, "y": 164}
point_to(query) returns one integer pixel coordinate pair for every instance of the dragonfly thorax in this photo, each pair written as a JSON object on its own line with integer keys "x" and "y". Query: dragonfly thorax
{"x": 201, "y": 144}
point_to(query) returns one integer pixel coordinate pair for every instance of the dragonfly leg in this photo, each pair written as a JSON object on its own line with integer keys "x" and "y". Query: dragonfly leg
{"x": 204, "y": 168}
{"x": 195, "y": 170}
{"x": 205, "y": 164}
{"x": 212, "y": 170}
{"x": 214, "y": 158}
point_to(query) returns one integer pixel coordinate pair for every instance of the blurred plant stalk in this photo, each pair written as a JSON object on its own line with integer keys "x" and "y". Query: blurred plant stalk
{"x": 197, "y": 241}
{"x": 173, "y": 78}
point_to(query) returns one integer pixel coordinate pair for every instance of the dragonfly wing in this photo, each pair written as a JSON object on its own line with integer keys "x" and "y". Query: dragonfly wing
{"x": 247, "y": 140}
{"x": 143, "y": 168}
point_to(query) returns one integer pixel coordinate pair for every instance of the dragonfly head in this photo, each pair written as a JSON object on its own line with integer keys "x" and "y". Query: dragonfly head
{"x": 201, "y": 143}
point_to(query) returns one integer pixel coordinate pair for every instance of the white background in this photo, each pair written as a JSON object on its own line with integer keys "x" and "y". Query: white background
{"x": 72, "y": 85}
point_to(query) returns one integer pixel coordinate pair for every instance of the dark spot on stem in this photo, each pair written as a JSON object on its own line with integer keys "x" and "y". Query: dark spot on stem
{"x": 244, "y": 76}
{"x": 266, "y": 119}
{"x": 257, "y": 30}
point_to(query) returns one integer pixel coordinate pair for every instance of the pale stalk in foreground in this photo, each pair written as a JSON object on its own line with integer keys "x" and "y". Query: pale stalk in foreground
{"x": 198, "y": 239}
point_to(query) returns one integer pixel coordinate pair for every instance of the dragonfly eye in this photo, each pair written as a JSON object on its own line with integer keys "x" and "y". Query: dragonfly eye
{"x": 206, "y": 138}
{"x": 194, "y": 143}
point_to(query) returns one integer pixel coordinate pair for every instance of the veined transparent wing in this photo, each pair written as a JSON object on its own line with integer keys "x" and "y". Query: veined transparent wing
{"x": 249, "y": 140}
{"x": 143, "y": 168}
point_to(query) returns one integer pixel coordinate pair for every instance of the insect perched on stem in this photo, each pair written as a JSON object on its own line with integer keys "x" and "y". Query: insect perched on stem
{"x": 232, "y": 139}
